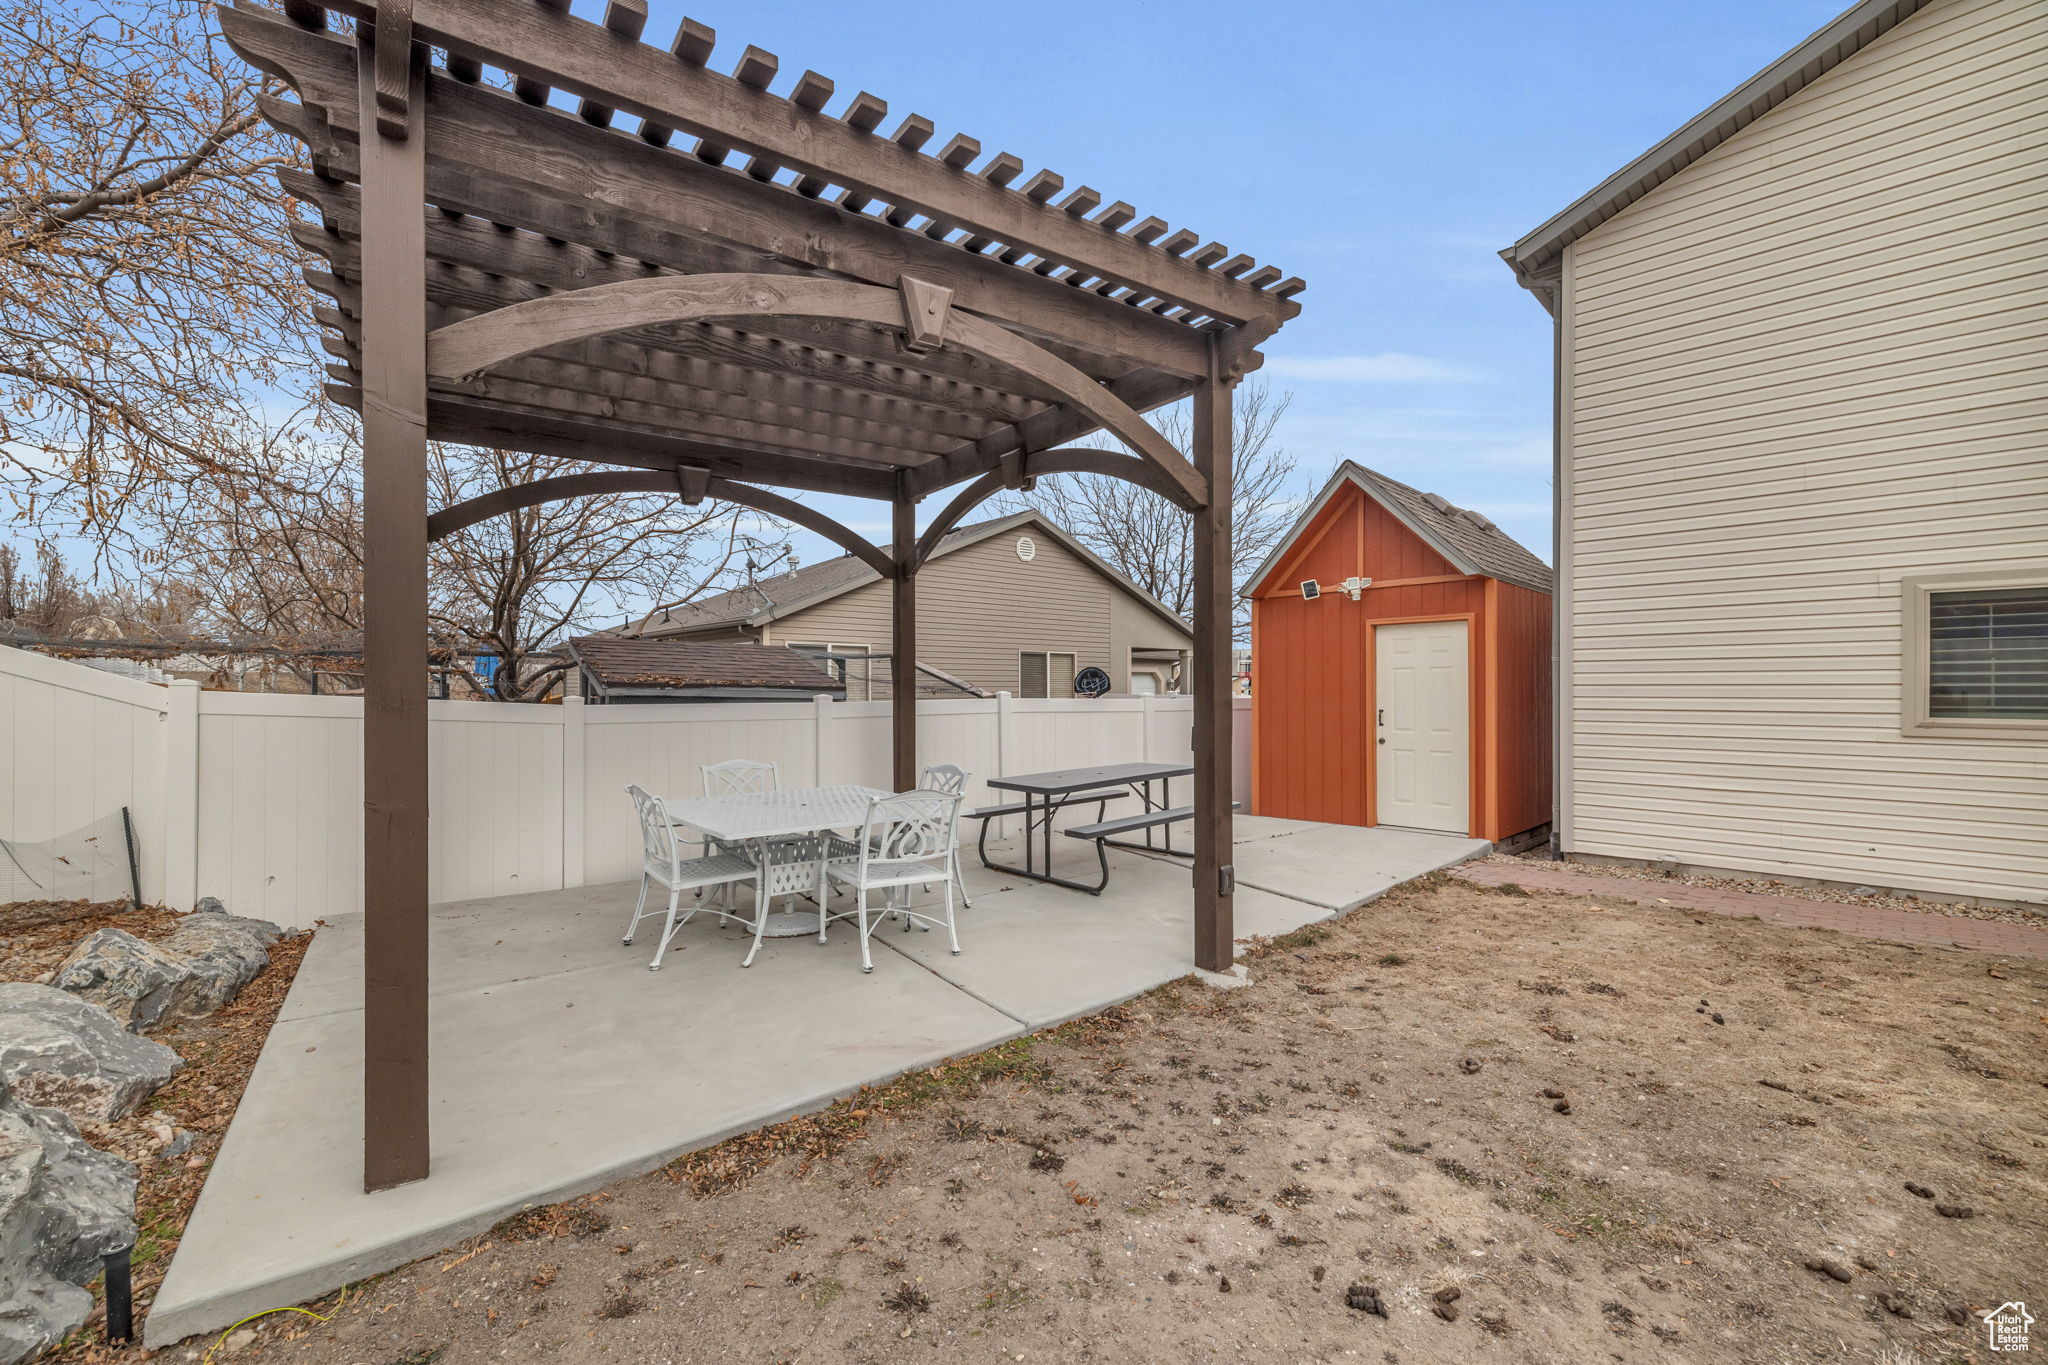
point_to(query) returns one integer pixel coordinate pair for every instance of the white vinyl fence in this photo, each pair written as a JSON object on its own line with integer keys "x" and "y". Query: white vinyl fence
{"x": 257, "y": 799}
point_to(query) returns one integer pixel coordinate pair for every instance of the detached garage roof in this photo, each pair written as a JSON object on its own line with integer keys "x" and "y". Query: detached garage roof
{"x": 1536, "y": 258}
{"x": 617, "y": 663}
{"x": 1471, "y": 542}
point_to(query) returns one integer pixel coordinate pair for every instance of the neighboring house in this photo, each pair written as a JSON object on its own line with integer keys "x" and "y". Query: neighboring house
{"x": 1404, "y": 666}
{"x": 1010, "y": 605}
{"x": 616, "y": 669}
{"x": 1802, "y": 477}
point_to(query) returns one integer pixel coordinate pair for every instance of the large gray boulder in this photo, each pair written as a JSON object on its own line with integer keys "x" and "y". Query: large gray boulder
{"x": 63, "y": 1052}
{"x": 136, "y": 982}
{"x": 63, "y": 1205}
{"x": 194, "y": 970}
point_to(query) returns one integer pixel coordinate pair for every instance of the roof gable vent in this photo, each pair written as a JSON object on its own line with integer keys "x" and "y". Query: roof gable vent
{"x": 1027, "y": 549}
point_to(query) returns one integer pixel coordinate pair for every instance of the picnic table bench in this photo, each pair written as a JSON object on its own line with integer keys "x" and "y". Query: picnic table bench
{"x": 1049, "y": 793}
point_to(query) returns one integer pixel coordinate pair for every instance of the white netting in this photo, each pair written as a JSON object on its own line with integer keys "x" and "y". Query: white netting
{"x": 95, "y": 863}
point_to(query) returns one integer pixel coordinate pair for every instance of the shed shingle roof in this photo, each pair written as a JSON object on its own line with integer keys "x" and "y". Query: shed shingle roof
{"x": 1470, "y": 541}
{"x": 1476, "y": 543}
{"x": 621, "y": 662}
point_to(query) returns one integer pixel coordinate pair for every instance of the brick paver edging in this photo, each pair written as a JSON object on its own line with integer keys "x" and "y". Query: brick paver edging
{"x": 1893, "y": 926}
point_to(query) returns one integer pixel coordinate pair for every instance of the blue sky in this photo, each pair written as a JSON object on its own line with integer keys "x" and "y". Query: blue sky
{"x": 1383, "y": 152}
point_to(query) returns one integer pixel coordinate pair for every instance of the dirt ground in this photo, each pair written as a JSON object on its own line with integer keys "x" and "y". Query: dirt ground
{"x": 1772, "y": 886}
{"x": 1457, "y": 1125}
{"x": 191, "y": 1112}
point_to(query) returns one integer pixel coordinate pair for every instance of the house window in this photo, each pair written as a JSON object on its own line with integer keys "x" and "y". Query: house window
{"x": 1977, "y": 655}
{"x": 1045, "y": 674}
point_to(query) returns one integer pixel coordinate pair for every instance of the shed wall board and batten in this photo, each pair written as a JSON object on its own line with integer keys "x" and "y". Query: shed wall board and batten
{"x": 1807, "y": 369}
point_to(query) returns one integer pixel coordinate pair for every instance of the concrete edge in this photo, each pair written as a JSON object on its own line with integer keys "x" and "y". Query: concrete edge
{"x": 169, "y": 1324}
{"x": 1464, "y": 856}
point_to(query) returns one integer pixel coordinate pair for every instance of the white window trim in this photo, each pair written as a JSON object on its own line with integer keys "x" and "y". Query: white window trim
{"x": 1050, "y": 655}
{"x": 1915, "y": 591}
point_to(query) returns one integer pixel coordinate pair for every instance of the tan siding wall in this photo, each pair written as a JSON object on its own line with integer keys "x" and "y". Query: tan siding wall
{"x": 1810, "y": 365}
{"x": 978, "y": 606}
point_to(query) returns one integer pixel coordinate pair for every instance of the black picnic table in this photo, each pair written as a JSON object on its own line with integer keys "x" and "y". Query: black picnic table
{"x": 1047, "y": 794}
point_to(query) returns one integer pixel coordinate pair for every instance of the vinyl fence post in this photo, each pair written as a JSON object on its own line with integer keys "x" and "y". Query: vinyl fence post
{"x": 181, "y": 796}
{"x": 821, "y": 739}
{"x": 575, "y": 788}
{"x": 1006, "y": 748}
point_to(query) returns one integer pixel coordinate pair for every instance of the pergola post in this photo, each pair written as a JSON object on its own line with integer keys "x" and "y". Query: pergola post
{"x": 394, "y": 414}
{"x": 1209, "y": 676}
{"x": 903, "y": 643}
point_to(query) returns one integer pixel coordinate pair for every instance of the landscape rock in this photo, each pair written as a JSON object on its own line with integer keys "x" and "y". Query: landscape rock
{"x": 194, "y": 970}
{"x": 63, "y": 1205}
{"x": 134, "y": 981}
{"x": 59, "y": 1051}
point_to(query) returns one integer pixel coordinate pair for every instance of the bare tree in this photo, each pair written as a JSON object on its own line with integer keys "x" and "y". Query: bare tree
{"x": 526, "y": 580}
{"x": 279, "y": 557}
{"x": 148, "y": 294}
{"x": 1148, "y": 539}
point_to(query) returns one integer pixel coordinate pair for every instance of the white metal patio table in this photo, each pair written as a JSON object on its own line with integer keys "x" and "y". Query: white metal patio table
{"x": 754, "y": 818}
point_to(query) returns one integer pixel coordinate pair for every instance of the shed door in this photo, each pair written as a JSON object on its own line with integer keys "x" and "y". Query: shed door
{"x": 1424, "y": 725}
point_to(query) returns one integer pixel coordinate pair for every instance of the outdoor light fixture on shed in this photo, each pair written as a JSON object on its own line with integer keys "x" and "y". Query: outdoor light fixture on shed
{"x": 1350, "y": 587}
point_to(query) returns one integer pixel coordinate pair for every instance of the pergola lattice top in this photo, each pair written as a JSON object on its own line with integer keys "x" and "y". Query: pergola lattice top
{"x": 718, "y": 175}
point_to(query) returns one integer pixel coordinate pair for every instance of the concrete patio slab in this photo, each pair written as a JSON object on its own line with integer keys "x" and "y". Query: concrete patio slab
{"x": 571, "y": 1069}
{"x": 1341, "y": 867}
{"x": 560, "y": 1063}
{"x": 1042, "y": 954}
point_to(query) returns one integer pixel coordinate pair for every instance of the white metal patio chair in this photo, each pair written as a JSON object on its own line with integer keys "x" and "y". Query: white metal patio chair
{"x": 740, "y": 777}
{"x": 737, "y": 777}
{"x": 944, "y": 777}
{"x": 662, "y": 864}
{"x": 905, "y": 841}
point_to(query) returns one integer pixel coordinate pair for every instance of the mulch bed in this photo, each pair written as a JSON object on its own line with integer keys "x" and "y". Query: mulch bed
{"x": 220, "y": 1052}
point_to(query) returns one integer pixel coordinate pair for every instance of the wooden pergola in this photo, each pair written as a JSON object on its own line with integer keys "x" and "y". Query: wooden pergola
{"x": 700, "y": 285}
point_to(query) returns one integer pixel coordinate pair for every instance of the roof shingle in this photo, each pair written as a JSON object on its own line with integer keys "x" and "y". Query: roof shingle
{"x": 620, "y": 662}
{"x": 1470, "y": 536}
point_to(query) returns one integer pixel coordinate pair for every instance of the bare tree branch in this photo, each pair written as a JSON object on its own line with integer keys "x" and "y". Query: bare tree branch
{"x": 150, "y": 301}
{"x": 1148, "y": 539}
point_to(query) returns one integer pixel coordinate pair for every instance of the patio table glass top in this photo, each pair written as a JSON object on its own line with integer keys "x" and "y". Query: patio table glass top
{"x": 769, "y": 815}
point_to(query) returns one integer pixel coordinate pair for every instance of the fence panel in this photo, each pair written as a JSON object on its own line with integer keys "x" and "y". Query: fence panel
{"x": 280, "y": 805}
{"x": 78, "y": 744}
{"x": 262, "y": 806}
{"x": 661, "y": 747}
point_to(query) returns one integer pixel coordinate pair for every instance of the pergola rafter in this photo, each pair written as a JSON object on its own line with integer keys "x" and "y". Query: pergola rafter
{"x": 694, "y": 283}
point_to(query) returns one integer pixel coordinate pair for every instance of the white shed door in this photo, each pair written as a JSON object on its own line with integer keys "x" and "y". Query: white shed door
{"x": 1424, "y": 725}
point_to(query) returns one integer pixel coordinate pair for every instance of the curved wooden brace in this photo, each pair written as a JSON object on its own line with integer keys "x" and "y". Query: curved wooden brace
{"x": 467, "y": 348}
{"x": 1046, "y": 462}
{"x": 503, "y": 500}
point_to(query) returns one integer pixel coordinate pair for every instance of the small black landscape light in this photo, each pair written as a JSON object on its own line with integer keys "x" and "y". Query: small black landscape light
{"x": 120, "y": 1296}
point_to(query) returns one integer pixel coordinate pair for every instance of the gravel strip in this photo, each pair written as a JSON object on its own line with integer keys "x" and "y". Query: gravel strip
{"x": 1830, "y": 895}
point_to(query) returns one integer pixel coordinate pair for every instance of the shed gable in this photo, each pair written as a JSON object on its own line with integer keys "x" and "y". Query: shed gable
{"x": 1352, "y": 536}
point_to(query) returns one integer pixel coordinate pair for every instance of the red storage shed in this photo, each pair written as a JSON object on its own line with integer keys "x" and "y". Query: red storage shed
{"x": 1401, "y": 667}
